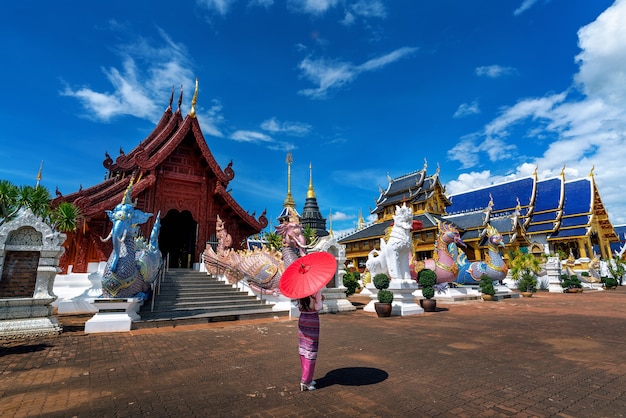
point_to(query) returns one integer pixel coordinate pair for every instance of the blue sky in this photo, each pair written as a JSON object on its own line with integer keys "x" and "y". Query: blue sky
{"x": 361, "y": 89}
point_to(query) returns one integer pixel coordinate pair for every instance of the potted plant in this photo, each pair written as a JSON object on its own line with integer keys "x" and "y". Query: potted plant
{"x": 427, "y": 279}
{"x": 486, "y": 287}
{"x": 571, "y": 284}
{"x": 609, "y": 282}
{"x": 527, "y": 284}
{"x": 385, "y": 297}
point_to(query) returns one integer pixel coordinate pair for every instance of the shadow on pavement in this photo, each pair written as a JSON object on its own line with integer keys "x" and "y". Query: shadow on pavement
{"x": 352, "y": 376}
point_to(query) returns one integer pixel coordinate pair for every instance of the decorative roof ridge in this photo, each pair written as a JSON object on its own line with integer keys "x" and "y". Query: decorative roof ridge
{"x": 261, "y": 223}
{"x": 143, "y": 152}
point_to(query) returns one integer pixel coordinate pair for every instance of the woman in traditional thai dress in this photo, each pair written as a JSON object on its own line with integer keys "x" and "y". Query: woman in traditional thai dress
{"x": 308, "y": 337}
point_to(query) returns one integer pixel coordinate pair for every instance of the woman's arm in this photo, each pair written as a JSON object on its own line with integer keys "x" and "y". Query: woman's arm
{"x": 318, "y": 300}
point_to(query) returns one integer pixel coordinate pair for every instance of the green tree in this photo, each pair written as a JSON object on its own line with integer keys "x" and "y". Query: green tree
{"x": 65, "y": 217}
{"x": 12, "y": 198}
{"x": 274, "y": 241}
{"x": 9, "y": 200}
{"x": 524, "y": 267}
{"x": 309, "y": 234}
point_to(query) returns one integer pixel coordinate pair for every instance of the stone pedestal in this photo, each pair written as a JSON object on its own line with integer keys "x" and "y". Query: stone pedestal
{"x": 404, "y": 302}
{"x": 114, "y": 315}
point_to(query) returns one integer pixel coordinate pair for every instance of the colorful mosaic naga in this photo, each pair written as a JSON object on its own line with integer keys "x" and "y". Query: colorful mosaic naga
{"x": 444, "y": 261}
{"x": 134, "y": 263}
{"x": 494, "y": 267}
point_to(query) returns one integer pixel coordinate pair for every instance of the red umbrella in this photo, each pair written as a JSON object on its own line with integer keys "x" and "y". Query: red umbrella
{"x": 307, "y": 275}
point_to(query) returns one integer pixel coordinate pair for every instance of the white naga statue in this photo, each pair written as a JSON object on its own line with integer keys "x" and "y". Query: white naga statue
{"x": 395, "y": 253}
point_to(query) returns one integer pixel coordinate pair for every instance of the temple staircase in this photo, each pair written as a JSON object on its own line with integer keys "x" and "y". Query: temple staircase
{"x": 193, "y": 297}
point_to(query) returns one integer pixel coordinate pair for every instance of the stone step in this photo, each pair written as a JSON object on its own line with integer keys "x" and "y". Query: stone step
{"x": 193, "y": 296}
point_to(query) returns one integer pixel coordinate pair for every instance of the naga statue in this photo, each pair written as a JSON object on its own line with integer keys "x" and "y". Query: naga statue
{"x": 261, "y": 267}
{"x": 494, "y": 267}
{"x": 444, "y": 261}
{"x": 396, "y": 252}
{"x": 134, "y": 263}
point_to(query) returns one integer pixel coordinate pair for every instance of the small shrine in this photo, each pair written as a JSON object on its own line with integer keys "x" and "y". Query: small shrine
{"x": 29, "y": 257}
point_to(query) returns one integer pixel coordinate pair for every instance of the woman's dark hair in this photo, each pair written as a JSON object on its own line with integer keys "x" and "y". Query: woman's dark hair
{"x": 303, "y": 303}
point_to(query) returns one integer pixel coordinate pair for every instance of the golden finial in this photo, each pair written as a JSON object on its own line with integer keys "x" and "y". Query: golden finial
{"x": 563, "y": 171}
{"x": 361, "y": 223}
{"x": 425, "y": 164}
{"x": 593, "y": 167}
{"x": 192, "y": 112}
{"x": 39, "y": 174}
{"x": 310, "y": 194}
{"x": 535, "y": 173}
{"x": 127, "y": 199}
{"x": 289, "y": 202}
{"x": 330, "y": 218}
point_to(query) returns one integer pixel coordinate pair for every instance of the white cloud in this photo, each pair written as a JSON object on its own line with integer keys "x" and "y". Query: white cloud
{"x": 290, "y": 128}
{"x": 467, "y": 109}
{"x": 585, "y": 132}
{"x": 331, "y": 75}
{"x": 315, "y": 7}
{"x": 494, "y": 71}
{"x": 341, "y": 216}
{"x": 141, "y": 87}
{"x": 526, "y": 4}
{"x": 220, "y": 7}
{"x": 250, "y": 136}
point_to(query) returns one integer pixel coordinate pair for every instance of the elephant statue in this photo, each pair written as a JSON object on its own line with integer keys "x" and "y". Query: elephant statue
{"x": 134, "y": 263}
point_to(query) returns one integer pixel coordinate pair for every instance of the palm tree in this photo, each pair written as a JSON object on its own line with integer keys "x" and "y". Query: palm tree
{"x": 65, "y": 217}
{"x": 274, "y": 240}
{"x": 524, "y": 267}
{"x": 9, "y": 205}
{"x": 37, "y": 199}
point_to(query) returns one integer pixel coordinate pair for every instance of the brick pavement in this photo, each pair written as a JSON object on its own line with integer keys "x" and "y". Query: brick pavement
{"x": 550, "y": 355}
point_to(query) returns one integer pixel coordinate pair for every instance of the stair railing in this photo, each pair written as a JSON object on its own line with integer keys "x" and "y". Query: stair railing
{"x": 156, "y": 285}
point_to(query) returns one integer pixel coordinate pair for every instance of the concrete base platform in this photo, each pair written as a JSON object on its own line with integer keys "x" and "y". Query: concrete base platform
{"x": 114, "y": 315}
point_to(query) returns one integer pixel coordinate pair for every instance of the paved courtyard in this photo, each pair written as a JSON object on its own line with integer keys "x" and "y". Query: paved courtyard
{"x": 557, "y": 355}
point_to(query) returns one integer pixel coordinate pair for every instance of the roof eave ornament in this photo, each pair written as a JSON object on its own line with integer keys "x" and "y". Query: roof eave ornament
{"x": 192, "y": 112}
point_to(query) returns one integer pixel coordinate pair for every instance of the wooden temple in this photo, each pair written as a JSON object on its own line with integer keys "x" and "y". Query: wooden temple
{"x": 174, "y": 174}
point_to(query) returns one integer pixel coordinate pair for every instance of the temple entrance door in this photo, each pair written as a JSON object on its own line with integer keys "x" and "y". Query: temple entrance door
{"x": 177, "y": 239}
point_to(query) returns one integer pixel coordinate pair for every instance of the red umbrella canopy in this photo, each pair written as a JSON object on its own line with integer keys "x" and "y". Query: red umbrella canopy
{"x": 308, "y": 274}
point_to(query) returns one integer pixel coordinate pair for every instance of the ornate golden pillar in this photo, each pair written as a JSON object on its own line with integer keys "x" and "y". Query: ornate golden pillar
{"x": 582, "y": 248}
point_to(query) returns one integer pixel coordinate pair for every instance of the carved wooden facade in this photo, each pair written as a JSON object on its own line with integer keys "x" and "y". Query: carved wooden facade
{"x": 174, "y": 173}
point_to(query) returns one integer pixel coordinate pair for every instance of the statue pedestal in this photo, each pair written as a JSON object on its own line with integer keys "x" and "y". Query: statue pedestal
{"x": 114, "y": 315}
{"x": 404, "y": 302}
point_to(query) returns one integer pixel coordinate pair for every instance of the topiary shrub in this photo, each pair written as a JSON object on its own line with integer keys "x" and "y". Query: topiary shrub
{"x": 381, "y": 281}
{"x": 385, "y": 296}
{"x": 351, "y": 283}
{"x": 486, "y": 285}
{"x": 427, "y": 279}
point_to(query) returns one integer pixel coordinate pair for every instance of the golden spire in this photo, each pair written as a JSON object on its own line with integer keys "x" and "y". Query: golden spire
{"x": 310, "y": 194}
{"x": 39, "y": 174}
{"x": 330, "y": 218}
{"x": 361, "y": 223}
{"x": 192, "y": 112}
{"x": 593, "y": 167}
{"x": 289, "y": 202}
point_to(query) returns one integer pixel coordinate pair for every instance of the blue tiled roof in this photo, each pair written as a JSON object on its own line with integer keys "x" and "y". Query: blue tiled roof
{"x": 504, "y": 195}
{"x": 565, "y": 233}
{"x": 581, "y": 220}
{"x": 544, "y": 217}
{"x": 578, "y": 198}
{"x": 537, "y": 228}
{"x": 468, "y": 220}
{"x": 548, "y": 194}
